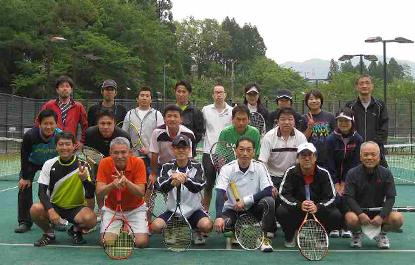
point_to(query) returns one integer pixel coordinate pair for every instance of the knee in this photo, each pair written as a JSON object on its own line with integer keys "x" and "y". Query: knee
{"x": 282, "y": 211}
{"x": 396, "y": 219}
{"x": 141, "y": 241}
{"x": 351, "y": 219}
{"x": 36, "y": 210}
{"x": 90, "y": 220}
{"x": 205, "y": 224}
{"x": 157, "y": 225}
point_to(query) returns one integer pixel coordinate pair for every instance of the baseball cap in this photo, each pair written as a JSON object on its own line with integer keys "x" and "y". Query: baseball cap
{"x": 284, "y": 93}
{"x": 253, "y": 89}
{"x": 181, "y": 140}
{"x": 109, "y": 83}
{"x": 306, "y": 146}
{"x": 344, "y": 115}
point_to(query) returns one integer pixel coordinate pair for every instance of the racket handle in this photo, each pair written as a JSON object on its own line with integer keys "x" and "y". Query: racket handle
{"x": 234, "y": 191}
{"x": 307, "y": 192}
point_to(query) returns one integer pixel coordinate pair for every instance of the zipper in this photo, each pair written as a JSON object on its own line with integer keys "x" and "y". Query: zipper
{"x": 365, "y": 123}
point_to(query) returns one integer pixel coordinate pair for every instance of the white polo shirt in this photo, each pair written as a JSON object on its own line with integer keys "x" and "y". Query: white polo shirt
{"x": 279, "y": 154}
{"x": 255, "y": 179}
{"x": 215, "y": 122}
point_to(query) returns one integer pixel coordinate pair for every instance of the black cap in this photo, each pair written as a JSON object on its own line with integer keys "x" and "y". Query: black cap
{"x": 109, "y": 83}
{"x": 284, "y": 93}
{"x": 181, "y": 140}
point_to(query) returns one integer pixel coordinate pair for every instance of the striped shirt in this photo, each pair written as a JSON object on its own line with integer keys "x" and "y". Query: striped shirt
{"x": 64, "y": 109}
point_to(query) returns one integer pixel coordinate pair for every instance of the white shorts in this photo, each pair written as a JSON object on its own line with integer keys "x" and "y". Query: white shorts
{"x": 137, "y": 219}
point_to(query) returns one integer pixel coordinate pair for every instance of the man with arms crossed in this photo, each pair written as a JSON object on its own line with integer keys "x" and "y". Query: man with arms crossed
{"x": 371, "y": 185}
{"x": 128, "y": 173}
{"x": 254, "y": 186}
{"x": 67, "y": 181}
{"x": 188, "y": 176}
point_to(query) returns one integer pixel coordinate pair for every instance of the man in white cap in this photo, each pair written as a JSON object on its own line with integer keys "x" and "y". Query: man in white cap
{"x": 292, "y": 211}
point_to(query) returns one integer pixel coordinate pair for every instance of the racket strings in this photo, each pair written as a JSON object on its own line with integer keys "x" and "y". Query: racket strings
{"x": 248, "y": 232}
{"x": 312, "y": 240}
{"x": 123, "y": 246}
{"x": 177, "y": 234}
{"x": 94, "y": 155}
{"x": 157, "y": 203}
{"x": 258, "y": 122}
{"x": 222, "y": 153}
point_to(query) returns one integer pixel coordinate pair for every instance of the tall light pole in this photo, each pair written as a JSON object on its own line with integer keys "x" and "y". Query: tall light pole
{"x": 379, "y": 39}
{"x": 347, "y": 57}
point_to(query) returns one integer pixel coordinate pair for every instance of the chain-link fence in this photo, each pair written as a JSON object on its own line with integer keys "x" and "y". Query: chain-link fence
{"x": 18, "y": 114}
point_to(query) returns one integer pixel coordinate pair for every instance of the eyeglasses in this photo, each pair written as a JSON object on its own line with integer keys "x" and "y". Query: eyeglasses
{"x": 219, "y": 92}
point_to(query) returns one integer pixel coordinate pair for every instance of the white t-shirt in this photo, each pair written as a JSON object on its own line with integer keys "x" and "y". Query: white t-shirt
{"x": 215, "y": 122}
{"x": 252, "y": 108}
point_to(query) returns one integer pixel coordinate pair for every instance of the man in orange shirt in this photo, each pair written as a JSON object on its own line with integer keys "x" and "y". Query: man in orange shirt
{"x": 123, "y": 171}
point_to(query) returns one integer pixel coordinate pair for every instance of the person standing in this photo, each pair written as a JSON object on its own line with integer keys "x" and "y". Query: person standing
{"x": 253, "y": 100}
{"x": 284, "y": 100}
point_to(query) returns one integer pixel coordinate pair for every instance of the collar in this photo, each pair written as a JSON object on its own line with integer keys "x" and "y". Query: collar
{"x": 128, "y": 167}
{"x": 188, "y": 166}
{"x": 250, "y": 168}
{"x": 71, "y": 101}
{"x": 71, "y": 161}
{"x": 309, "y": 177}
{"x": 279, "y": 134}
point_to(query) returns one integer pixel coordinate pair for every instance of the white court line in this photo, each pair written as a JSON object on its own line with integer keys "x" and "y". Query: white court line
{"x": 12, "y": 188}
{"x": 218, "y": 249}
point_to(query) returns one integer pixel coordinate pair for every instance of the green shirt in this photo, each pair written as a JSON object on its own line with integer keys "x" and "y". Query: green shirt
{"x": 230, "y": 135}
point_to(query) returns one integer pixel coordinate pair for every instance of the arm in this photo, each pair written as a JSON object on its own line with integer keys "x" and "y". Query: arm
{"x": 390, "y": 193}
{"x": 329, "y": 192}
{"x": 91, "y": 116}
{"x": 24, "y": 157}
{"x": 196, "y": 183}
{"x": 286, "y": 190}
{"x": 220, "y": 201}
{"x": 252, "y": 199}
{"x": 43, "y": 197}
{"x": 350, "y": 193}
{"x": 381, "y": 134}
{"x": 164, "y": 180}
{"x": 331, "y": 161}
{"x": 199, "y": 125}
{"x": 89, "y": 188}
{"x": 265, "y": 151}
{"x": 83, "y": 121}
{"x": 137, "y": 190}
{"x": 103, "y": 189}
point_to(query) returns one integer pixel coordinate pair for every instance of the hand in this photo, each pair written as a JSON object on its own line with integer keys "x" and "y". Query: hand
{"x": 24, "y": 183}
{"x": 119, "y": 179}
{"x": 54, "y": 217}
{"x": 364, "y": 219}
{"x": 339, "y": 189}
{"x": 175, "y": 183}
{"x": 152, "y": 178}
{"x": 274, "y": 192}
{"x": 310, "y": 122}
{"x": 377, "y": 221}
{"x": 83, "y": 172}
{"x": 78, "y": 145}
{"x": 144, "y": 150}
{"x": 308, "y": 206}
{"x": 239, "y": 206}
{"x": 219, "y": 225}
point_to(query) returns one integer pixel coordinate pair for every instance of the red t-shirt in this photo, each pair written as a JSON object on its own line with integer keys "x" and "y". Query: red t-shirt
{"x": 135, "y": 171}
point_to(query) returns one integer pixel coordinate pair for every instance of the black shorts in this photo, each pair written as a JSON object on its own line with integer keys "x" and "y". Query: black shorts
{"x": 210, "y": 171}
{"x": 193, "y": 219}
{"x": 68, "y": 214}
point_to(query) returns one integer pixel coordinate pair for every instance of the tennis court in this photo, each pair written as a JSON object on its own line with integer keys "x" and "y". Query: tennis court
{"x": 19, "y": 249}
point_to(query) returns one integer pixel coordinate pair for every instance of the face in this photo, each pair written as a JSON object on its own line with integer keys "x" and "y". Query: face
{"x": 109, "y": 93}
{"x": 364, "y": 86}
{"x": 173, "y": 119}
{"x": 144, "y": 99}
{"x": 241, "y": 120}
{"x": 120, "y": 154}
{"x": 284, "y": 102}
{"x": 314, "y": 103}
{"x": 219, "y": 94}
{"x": 65, "y": 148}
{"x": 181, "y": 152}
{"x": 286, "y": 122}
{"x": 64, "y": 90}
{"x": 369, "y": 155}
{"x": 106, "y": 126}
{"x": 344, "y": 125}
{"x": 182, "y": 95}
{"x": 244, "y": 153}
{"x": 252, "y": 98}
{"x": 48, "y": 126}
{"x": 307, "y": 160}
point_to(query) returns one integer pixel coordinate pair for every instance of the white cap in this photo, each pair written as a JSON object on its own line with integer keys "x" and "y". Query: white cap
{"x": 306, "y": 146}
{"x": 253, "y": 89}
{"x": 344, "y": 115}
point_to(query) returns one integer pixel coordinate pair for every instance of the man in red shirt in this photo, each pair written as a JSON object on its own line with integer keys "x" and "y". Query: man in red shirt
{"x": 123, "y": 171}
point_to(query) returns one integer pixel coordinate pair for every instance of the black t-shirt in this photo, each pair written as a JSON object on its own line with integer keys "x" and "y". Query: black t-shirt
{"x": 95, "y": 140}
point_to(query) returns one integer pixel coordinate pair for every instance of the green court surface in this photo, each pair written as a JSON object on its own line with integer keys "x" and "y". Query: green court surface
{"x": 19, "y": 249}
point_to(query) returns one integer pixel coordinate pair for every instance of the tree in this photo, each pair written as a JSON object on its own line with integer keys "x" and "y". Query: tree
{"x": 347, "y": 67}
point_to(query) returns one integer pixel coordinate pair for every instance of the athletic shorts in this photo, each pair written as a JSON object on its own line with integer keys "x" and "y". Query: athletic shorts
{"x": 137, "y": 219}
{"x": 210, "y": 171}
{"x": 193, "y": 219}
{"x": 68, "y": 214}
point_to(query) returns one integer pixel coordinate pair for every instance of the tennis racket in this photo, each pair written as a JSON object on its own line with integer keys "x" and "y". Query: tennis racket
{"x": 134, "y": 133}
{"x": 248, "y": 230}
{"x": 118, "y": 238}
{"x": 92, "y": 156}
{"x": 256, "y": 120}
{"x": 402, "y": 209}
{"x": 312, "y": 237}
{"x": 177, "y": 232}
{"x": 222, "y": 153}
{"x": 157, "y": 202}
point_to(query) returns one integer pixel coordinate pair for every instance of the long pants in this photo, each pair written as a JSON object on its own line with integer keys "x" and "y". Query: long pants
{"x": 25, "y": 201}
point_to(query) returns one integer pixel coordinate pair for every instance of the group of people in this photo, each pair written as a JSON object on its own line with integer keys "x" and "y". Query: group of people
{"x": 341, "y": 157}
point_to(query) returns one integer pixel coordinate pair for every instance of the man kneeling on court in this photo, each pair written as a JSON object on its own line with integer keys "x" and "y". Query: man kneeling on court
{"x": 190, "y": 174}
{"x": 123, "y": 171}
{"x": 254, "y": 187}
{"x": 292, "y": 193}
{"x": 371, "y": 185}
{"x": 68, "y": 182}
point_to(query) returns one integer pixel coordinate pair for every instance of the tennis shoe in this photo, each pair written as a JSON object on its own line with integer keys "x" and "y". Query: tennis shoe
{"x": 45, "y": 240}
{"x": 334, "y": 234}
{"x": 346, "y": 233}
{"x": 60, "y": 227}
{"x": 199, "y": 239}
{"x": 382, "y": 240}
{"x": 266, "y": 245}
{"x": 77, "y": 237}
{"x": 290, "y": 243}
{"x": 357, "y": 240}
{"x": 88, "y": 231}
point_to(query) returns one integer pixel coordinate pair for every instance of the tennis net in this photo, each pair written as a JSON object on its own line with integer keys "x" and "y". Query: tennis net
{"x": 10, "y": 158}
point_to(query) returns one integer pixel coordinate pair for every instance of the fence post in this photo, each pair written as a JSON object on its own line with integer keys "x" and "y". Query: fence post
{"x": 411, "y": 122}
{"x": 396, "y": 120}
{"x": 21, "y": 117}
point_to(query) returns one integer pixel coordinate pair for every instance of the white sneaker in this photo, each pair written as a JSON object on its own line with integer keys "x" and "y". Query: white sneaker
{"x": 199, "y": 239}
{"x": 98, "y": 212}
{"x": 334, "y": 234}
{"x": 346, "y": 233}
{"x": 266, "y": 245}
{"x": 290, "y": 243}
{"x": 357, "y": 240}
{"x": 383, "y": 241}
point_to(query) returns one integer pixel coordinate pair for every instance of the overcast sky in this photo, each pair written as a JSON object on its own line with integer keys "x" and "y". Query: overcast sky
{"x": 298, "y": 30}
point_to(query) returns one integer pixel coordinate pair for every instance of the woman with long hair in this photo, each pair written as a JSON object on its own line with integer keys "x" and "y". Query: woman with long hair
{"x": 252, "y": 99}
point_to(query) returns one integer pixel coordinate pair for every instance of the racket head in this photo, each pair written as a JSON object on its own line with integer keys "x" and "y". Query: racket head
{"x": 134, "y": 133}
{"x": 118, "y": 239}
{"x": 157, "y": 203}
{"x": 312, "y": 239}
{"x": 222, "y": 153}
{"x": 257, "y": 120}
{"x": 177, "y": 233}
{"x": 91, "y": 156}
{"x": 248, "y": 232}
